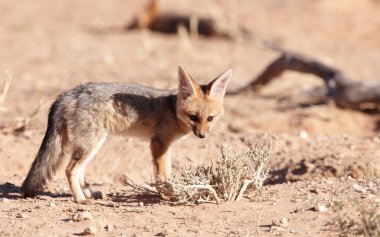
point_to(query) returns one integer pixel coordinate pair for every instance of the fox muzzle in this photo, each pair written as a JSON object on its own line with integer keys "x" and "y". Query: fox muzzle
{"x": 199, "y": 133}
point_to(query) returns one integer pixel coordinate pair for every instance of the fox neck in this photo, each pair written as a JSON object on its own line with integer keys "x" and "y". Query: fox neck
{"x": 174, "y": 101}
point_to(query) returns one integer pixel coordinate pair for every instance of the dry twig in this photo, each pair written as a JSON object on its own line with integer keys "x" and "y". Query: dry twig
{"x": 129, "y": 182}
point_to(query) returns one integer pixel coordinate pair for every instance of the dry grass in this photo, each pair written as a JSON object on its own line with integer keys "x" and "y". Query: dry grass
{"x": 226, "y": 179}
{"x": 364, "y": 222}
{"x": 234, "y": 172}
{"x": 7, "y": 77}
{"x": 19, "y": 124}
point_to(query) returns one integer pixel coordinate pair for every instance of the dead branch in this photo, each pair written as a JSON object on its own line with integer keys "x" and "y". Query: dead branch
{"x": 129, "y": 182}
{"x": 200, "y": 188}
{"x": 345, "y": 92}
{"x": 243, "y": 188}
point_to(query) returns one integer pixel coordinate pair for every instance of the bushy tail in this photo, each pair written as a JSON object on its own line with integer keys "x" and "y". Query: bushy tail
{"x": 50, "y": 154}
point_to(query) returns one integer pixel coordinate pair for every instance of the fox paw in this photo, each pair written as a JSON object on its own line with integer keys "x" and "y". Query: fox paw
{"x": 85, "y": 202}
{"x": 164, "y": 196}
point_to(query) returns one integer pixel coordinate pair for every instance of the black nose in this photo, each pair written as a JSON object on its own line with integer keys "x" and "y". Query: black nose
{"x": 201, "y": 136}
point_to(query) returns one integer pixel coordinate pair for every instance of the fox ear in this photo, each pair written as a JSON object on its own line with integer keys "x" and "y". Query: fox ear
{"x": 217, "y": 88}
{"x": 186, "y": 85}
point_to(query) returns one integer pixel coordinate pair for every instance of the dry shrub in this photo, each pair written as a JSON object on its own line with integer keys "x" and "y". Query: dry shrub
{"x": 363, "y": 222}
{"x": 190, "y": 186}
{"x": 227, "y": 178}
{"x": 230, "y": 171}
{"x": 234, "y": 172}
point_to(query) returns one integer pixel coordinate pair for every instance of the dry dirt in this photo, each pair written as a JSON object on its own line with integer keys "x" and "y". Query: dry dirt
{"x": 321, "y": 154}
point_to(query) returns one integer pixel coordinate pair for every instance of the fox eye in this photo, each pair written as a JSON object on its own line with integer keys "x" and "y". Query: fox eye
{"x": 210, "y": 118}
{"x": 194, "y": 117}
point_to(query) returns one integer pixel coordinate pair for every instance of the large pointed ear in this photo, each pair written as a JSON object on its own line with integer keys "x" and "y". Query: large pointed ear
{"x": 186, "y": 85}
{"x": 217, "y": 88}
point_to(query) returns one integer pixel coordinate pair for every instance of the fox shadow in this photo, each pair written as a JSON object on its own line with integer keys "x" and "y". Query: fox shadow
{"x": 136, "y": 198}
{"x": 12, "y": 191}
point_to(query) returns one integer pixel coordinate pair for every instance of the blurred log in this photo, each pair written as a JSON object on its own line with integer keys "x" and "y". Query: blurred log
{"x": 345, "y": 92}
{"x": 168, "y": 23}
{"x": 153, "y": 19}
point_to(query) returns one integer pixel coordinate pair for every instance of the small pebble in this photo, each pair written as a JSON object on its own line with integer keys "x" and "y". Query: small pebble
{"x": 303, "y": 135}
{"x": 141, "y": 204}
{"x": 91, "y": 230}
{"x": 320, "y": 207}
{"x": 52, "y": 204}
{"x": 97, "y": 195}
{"x": 80, "y": 216}
{"x": 281, "y": 222}
{"x": 147, "y": 227}
{"x": 5, "y": 200}
{"x": 163, "y": 233}
{"x": 22, "y": 215}
{"x": 359, "y": 188}
{"x": 109, "y": 228}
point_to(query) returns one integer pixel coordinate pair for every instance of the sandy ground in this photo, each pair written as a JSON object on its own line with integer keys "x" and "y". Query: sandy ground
{"x": 321, "y": 154}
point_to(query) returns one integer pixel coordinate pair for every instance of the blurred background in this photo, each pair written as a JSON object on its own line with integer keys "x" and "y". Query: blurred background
{"x": 50, "y": 47}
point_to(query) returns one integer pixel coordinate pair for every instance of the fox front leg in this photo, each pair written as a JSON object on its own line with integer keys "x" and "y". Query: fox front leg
{"x": 161, "y": 158}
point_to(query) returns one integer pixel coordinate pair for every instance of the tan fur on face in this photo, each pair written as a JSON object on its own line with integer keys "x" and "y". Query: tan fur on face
{"x": 202, "y": 101}
{"x": 203, "y": 106}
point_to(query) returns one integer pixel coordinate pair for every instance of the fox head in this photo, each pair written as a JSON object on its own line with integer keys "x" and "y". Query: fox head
{"x": 199, "y": 107}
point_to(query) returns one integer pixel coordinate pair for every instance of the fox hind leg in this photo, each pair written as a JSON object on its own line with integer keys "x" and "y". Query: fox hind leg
{"x": 72, "y": 177}
{"x": 75, "y": 170}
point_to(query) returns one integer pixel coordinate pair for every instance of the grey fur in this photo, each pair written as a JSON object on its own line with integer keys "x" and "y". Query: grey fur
{"x": 87, "y": 111}
{"x": 50, "y": 154}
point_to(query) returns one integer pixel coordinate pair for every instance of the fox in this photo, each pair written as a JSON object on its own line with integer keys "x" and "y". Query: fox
{"x": 80, "y": 120}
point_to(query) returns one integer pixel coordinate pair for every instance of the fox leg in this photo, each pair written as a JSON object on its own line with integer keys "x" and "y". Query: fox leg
{"x": 86, "y": 188}
{"x": 75, "y": 171}
{"x": 75, "y": 188}
{"x": 161, "y": 158}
